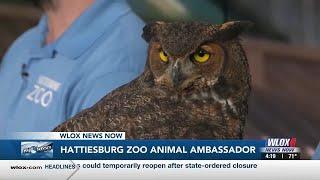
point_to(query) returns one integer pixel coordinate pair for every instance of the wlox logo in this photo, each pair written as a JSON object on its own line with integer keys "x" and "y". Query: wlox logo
{"x": 35, "y": 149}
{"x": 281, "y": 142}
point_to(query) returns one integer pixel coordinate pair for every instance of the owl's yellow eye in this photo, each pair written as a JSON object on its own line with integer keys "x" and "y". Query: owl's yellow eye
{"x": 163, "y": 56}
{"x": 201, "y": 56}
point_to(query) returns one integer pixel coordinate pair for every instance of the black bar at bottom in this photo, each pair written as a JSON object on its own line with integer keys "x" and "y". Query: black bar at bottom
{"x": 280, "y": 156}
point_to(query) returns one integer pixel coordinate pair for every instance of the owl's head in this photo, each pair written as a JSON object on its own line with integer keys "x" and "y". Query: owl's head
{"x": 182, "y": 54}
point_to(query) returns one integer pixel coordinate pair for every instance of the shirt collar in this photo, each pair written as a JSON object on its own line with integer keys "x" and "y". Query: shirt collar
{"x": 83, "y": 32}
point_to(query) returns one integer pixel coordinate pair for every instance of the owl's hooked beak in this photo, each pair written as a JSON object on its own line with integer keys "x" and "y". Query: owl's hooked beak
{"x": 177, "y": 75}
{"x": 181, "y": 75}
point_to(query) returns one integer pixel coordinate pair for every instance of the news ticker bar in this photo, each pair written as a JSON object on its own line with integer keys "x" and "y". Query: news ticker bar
{"x": 144, "y": 150}
{"x": 159, "y": 169}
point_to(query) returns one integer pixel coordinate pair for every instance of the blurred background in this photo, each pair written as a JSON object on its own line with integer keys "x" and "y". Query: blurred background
{"x": 283, "y": 51}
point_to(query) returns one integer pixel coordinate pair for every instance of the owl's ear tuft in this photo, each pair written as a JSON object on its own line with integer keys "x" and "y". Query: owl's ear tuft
{"x": 151, "y": 30}
{"x": 232, "y": 29}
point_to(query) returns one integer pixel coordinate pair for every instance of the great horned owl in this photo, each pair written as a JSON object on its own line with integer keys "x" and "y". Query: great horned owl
{"x": 195, "y": 86}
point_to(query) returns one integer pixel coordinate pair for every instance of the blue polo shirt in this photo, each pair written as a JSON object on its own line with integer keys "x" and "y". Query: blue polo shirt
{"x": 316, "y": 155}
{"x": 43, "y": 85}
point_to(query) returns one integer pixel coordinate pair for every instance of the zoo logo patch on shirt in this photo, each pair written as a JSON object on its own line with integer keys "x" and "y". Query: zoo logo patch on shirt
{"x": 42, "y": 93}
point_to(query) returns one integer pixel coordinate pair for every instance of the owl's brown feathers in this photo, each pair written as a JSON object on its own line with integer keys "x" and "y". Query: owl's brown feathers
{"x": 179, "y": 96}
{"x": 183, "y": 37}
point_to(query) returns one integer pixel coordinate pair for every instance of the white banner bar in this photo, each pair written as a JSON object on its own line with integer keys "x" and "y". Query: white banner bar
{"x": 158, "y": 169}
{"x": 67, "y": 136}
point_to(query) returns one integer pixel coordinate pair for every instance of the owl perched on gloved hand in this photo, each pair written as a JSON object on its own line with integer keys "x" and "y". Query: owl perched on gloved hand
{"x": 195, "y": 85}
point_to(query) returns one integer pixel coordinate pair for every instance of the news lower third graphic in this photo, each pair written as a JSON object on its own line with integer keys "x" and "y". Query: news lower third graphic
{"x": 113, "y": 146}
{"x": 280, "y": 148}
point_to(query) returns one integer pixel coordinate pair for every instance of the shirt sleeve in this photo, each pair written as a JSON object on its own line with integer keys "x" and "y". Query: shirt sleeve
{"x": 316, "y": 155}
{"x": 18, "y": 46}
{"x": 96, "y": 89}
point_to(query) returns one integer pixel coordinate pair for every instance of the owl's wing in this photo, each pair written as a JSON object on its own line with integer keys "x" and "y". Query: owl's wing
{"x": 94, "y": 118}
{"x": 81, "y": 122}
